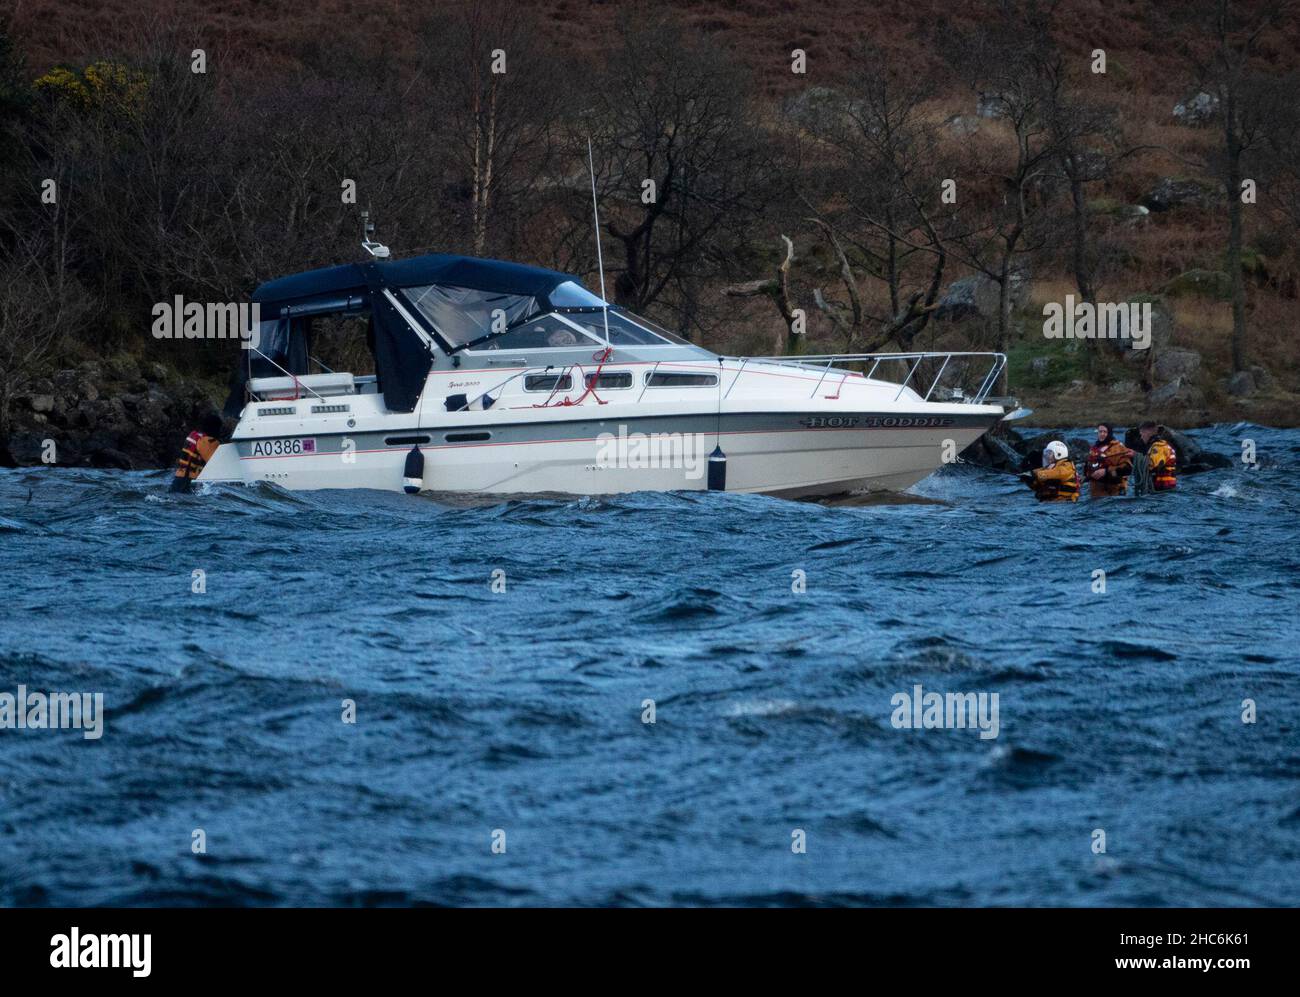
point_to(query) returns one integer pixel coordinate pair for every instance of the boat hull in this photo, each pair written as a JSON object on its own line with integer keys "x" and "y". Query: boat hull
{"x": 791, "y": 454}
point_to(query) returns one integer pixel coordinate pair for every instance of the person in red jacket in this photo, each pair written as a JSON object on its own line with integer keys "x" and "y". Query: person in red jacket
{"x": 199, "y": 447}
{"x": 1108, "y": 465}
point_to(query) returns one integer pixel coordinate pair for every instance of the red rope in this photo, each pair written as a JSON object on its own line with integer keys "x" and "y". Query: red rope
{"x": 600, "y": 359}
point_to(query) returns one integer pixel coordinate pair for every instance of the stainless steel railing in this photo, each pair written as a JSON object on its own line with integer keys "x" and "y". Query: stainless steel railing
{"x": 826, "y": 363}
{"x": 823, "y": 364}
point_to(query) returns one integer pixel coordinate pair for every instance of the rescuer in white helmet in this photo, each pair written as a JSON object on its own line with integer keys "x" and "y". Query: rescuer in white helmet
{"x": 1057, "y": 480}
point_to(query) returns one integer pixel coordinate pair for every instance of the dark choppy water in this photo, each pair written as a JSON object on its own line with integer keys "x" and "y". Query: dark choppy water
{"x": 522, "y": 711}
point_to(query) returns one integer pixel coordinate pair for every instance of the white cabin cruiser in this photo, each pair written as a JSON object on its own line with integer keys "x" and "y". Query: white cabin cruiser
{"x": 502, "y": 378}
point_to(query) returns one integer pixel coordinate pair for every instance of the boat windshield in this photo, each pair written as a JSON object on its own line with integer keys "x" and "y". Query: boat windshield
{"x": 571, "y": 294}
{"x": 547, "y": 332}
{"x": 625, "y": 329}
{"x": 580, "y": 328}
{"x": 568, "y": 317}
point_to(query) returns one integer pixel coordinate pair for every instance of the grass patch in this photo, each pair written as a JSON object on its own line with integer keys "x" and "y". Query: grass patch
{"x": 1046, "y": 364}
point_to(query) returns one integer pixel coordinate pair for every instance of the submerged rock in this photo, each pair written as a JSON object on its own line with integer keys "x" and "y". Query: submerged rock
{"x": 1031, "y": 448}
{"x": 1192, "y": 458}
{"x": 997, "y": 449}
{"x": 1004, "y": 449}
{"x": 108, "y": 457}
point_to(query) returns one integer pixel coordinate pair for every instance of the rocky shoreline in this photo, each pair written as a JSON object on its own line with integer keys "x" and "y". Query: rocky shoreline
{"x": 119, "y": 413}
{"x": 1006, "y": 449}
{"x": 134, "y": 415}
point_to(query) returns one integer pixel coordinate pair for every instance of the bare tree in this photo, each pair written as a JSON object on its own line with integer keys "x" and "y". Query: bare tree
{"x": 15, "y": 99}
{"x": 1012, "y": 63}
{"x": 1281, "y": 153}
{"x": 1087, "y": 142}
{"x": 495, "y": 95}
{"x": 39, "y": 305}
{"x": 681, "y": 161}
{"x": 882, "y": 197}
{"x": 777, "y": 288}
{"x": 1225, "y": 49}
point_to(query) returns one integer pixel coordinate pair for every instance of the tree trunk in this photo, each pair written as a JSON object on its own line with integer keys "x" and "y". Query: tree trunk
{"x": 626, "y": 283}
{"x": 484, "y": 156}
{"x": 1004, "y": 305}
{"x": 1082, "y": 273}
{"x": 6, "y": 407}
{"x": 1004, "y": 316}
{"x": 891, "y": 256}
{"x": 1234, "y": 243}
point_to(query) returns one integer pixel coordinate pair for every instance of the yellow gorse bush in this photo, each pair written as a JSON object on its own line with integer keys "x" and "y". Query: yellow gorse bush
{"x": 102, "y": 84}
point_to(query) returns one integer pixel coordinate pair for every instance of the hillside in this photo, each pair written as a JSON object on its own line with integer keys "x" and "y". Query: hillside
{"x": 278, "y": 33}
{"x": 207, "y": 185}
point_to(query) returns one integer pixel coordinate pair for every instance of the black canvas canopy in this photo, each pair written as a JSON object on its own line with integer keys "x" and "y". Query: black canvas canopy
{"x": 437, "y": 268}
{"x": 402, "y": 360}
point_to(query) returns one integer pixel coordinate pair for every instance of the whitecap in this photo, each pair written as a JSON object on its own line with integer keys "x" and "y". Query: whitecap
{"x": 761, "y": 708}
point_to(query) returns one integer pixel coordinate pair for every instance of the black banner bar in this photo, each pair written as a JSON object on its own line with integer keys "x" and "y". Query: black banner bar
{"x": 207, "y": 945}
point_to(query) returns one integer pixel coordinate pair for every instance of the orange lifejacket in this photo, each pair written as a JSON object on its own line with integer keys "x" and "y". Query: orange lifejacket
{"x": 1162, "y": 459}
{"x": 195, "y": 454}
{"x": 1058, "y": 483}
{"x": 1116, "y": 460}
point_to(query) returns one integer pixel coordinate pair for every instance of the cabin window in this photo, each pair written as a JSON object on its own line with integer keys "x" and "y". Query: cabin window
{"x": 405, "y": 441}
{"x": 673, "y": 379}
{"x": 612, "y": 379}
{"x": 462, "y": 315}
{"x": 341, "y": 342}
{"x": 467, "y": 437}
{"x": 548, "y": 382}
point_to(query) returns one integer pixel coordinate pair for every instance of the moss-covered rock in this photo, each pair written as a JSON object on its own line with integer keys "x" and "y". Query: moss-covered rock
{"x": 1162, "y": 319}
{"x": 1177, "y": 192}
{"x": 1200, "y": 283}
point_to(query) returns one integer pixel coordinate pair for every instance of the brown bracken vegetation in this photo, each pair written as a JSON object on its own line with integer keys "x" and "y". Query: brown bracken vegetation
{"x": 791, "y": 211}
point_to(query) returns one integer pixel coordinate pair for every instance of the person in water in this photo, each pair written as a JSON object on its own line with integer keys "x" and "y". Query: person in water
{"x": 1057, "y": 480}
{"x": 1108, "y": 465}
{"x": 1161, "y": 458}
{"x": 199, "y": 447}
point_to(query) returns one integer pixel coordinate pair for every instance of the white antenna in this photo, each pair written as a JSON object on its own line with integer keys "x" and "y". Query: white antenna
{"x": 376, "y": 249}
{"x": 600, "y": 259}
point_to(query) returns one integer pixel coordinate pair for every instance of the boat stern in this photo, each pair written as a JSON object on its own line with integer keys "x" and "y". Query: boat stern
{"x": 224, "y": 466}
